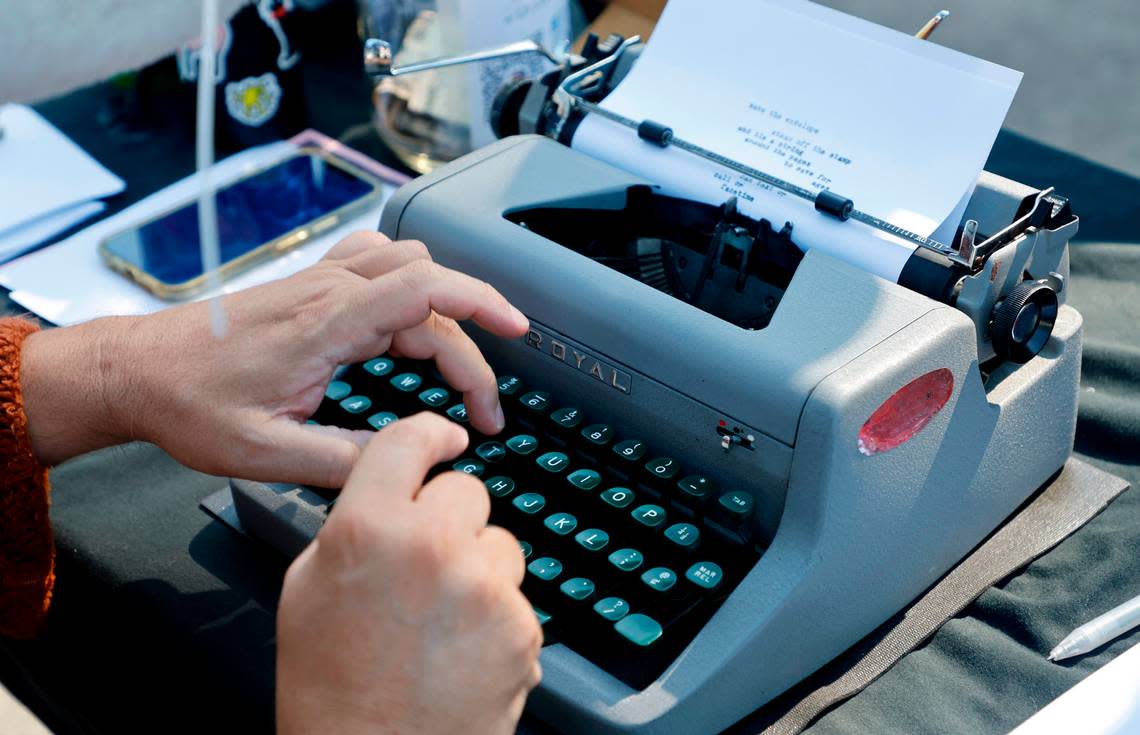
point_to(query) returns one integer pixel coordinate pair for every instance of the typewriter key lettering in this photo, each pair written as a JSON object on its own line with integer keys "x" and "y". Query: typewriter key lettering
{"x": 380, "y": 367}
{"x": 380, "y": 420}
{"x": 546, "y": 568}
{"x": 356, "y": 404}
{"x": 530, "y": 503}
{"x": 500, "y": 486}
{"x": 522, "y": 444}
{"x": 469, "y": 467}
{"x": 593, "y": 539}
{"x": 578, "y": 588}
{"x": 618, "y": 497}
{"x": 612, "y": 608}
{"x": 561, "y": 523}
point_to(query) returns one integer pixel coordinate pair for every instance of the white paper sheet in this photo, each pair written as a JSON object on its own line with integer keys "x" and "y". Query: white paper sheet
{"x": 69, "y": 283}
{"x": 21, "y": 238}
{"x": 42, "y": 171}
{"x": 1107, "y": 702}
{"x": 820, "y": 99}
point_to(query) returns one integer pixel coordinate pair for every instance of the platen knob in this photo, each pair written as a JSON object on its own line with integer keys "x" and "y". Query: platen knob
{"x": 377, "y": 58}
{"x": 1023, "y": 320}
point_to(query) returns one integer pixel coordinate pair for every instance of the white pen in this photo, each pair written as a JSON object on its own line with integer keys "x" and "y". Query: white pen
{"x": 1098, "y": 631}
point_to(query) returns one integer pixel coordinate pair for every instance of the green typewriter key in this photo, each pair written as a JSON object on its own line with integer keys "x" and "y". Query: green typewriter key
{"x": 738, "y": 503}
{"x": 592, "y": 539}
{"x": 545, "y": 568}
{"x": 695, "y": 487}
{"x": 356, "y": 404}
{"x": 380, "y": 420}
{"x": 553, "y": 462}
{"x": 458, "y": 412}
{"x": 435, "y": 397}
{"x": 543, "y": 616}
{"x": 491, "y": 451}
{"x": 379, "y": 367}
{"x": 641, "y": 630}
{"x": 705, "y": 574}
{"x": 500, "y": 486}
{"x": 612, "y": 608}
{"x": 631, "y": 450}
{"x": 684, "y": 535}
{"x": 598, "y": 434}
{"x": 536, "y": 401}
{"x": 663, "y": 468}
{"x": 469, "y": 467}
{"x": 567, "y": 418}
{"x": 529, "y": 503}
{"x": 578, "y": 588}
{"x": 660, "y": 579}
{"x": 584, "y": 479}
{"x": 509, "y": 385}
{"x": 526, "y": 548}
{"x": 618, "y": 497}
{"x": 650, "y": 516}
{"x": 337, "y": 390}
{"x": 561, "y": 523}
{"x": 522, "y": 444}
{"x": 626, "y": 559}
{"x": 406, "y": 382}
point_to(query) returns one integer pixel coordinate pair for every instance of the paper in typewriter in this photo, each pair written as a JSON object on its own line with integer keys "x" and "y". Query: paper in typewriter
{"x": 818, "y": 98}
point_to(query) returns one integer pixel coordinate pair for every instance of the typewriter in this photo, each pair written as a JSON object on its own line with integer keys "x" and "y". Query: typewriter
{"x": 726, "y": 460}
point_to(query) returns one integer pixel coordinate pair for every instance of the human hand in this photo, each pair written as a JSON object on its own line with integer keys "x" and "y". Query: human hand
{"x": 237, "y": 406}
{"x": 405, "y": 615}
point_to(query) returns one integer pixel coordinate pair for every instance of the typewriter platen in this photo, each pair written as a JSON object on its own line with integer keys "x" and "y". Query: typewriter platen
{"x": 879, "y": 430}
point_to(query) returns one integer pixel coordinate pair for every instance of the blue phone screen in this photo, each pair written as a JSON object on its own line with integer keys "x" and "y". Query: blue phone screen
{"x": 251, "y": 212}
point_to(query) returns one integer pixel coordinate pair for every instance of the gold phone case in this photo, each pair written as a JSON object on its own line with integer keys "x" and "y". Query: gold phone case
{"x": 273, "y": 248}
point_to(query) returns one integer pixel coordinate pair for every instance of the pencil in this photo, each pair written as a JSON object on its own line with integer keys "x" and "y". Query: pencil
{"x": 926, "y": 30}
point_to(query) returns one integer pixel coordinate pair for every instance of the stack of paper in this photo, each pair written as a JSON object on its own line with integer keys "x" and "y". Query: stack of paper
{"x": 818, "y": 98}
{"x": 47, "y": 183}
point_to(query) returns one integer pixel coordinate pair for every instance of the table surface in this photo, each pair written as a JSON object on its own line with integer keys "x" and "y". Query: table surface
{"x": 164, "y": 618}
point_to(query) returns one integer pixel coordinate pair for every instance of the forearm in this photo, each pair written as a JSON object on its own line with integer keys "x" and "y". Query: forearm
{"x": 73, "y": 398}
{"x": 52, "y": 46}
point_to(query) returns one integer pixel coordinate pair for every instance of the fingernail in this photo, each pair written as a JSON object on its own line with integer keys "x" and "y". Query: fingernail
{"x": 500, "y": 420}
{"x": 519, "y": 316}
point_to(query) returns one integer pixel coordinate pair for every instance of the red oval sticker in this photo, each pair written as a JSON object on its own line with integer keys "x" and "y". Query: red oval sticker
{"x": 907, "y": 410}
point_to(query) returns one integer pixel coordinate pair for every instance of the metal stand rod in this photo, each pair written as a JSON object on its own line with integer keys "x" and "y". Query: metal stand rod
{"x": 378, "y": 57}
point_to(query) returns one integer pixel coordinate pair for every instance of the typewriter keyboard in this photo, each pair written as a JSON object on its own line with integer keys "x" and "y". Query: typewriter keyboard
{"x": 628, "y": 553}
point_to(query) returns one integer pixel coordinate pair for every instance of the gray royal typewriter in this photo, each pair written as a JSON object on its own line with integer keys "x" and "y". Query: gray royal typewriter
{"x": 727, "y": 460}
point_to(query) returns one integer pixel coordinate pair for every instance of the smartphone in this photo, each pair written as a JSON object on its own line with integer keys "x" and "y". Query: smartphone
{"x": 260, "y": 216}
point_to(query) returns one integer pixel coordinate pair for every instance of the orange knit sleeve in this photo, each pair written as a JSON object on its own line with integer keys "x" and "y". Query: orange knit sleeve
{"x": 27, "y": 554}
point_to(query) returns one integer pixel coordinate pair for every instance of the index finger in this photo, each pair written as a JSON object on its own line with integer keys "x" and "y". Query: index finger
{"x": 407, "y": 296}
{"x": 393, "y": 466}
